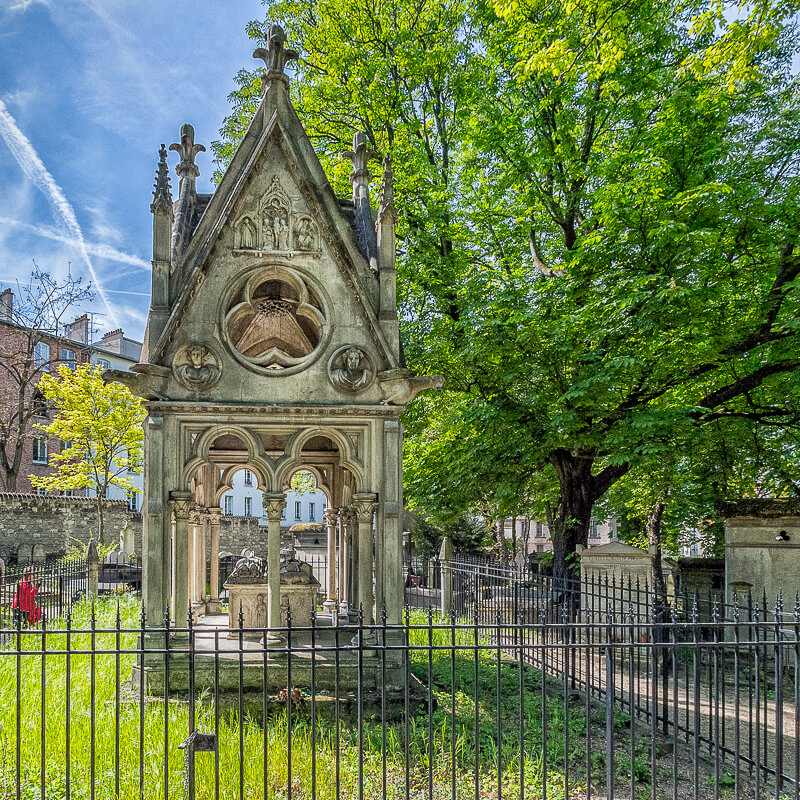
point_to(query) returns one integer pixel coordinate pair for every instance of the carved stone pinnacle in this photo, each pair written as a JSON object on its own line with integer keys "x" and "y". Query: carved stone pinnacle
{"x": 187, "y": 150}
{"x": 276, "y": 55}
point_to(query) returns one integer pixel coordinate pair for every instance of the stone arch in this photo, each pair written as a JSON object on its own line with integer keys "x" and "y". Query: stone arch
{"x": 322, "y": 486}
{"x": 292, "y": 459}
{"x": 226, "y": 479}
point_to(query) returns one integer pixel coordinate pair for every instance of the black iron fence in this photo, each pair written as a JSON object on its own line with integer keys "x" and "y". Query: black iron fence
{"x": 109, "y": 705}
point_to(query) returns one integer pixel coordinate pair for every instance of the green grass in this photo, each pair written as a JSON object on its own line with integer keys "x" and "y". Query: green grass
{"x": 451, "y": 739}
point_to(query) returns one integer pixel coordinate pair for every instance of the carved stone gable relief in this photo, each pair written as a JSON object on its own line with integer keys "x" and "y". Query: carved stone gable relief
{"x": 350, "y": 369}
{"x": 196, "y": 367}
{"x": 275, "y": 322}
{"x": 280, "y": 227}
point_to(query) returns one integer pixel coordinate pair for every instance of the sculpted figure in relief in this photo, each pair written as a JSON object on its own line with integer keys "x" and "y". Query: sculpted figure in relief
{"x": 350, "y": 370}
{"x": 247, "y": 234}
{"x": 196, "y": 367}
{"x": 304, "y": 235}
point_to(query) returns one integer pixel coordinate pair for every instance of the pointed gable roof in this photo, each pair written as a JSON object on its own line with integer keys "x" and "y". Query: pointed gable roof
{"x": 276, "y": 120}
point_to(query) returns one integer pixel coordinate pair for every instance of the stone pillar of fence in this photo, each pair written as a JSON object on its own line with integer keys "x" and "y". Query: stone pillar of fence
{"x": 445, "y": 557}
{"x": 93, "y": 568}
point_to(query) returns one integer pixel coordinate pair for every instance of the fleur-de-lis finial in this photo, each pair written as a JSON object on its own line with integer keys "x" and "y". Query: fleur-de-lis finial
{"x": 360, "y": 155}
{"x": 276, "y": 54}
{"x": 187, "y": 150}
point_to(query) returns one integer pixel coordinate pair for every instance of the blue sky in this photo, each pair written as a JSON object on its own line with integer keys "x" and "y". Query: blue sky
{"x": 89, "y": 89}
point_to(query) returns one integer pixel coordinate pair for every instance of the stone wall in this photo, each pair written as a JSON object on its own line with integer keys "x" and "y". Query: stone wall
{"x": 56, "y": 523}
{"x": 762, "y": 549}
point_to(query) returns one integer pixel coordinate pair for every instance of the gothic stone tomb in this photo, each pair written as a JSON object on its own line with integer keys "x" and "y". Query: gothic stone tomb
{"x": 272, "y": 343}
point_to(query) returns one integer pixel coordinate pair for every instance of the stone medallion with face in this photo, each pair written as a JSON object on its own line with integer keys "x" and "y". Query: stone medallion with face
{"x": 197, "y": 367}
{"x": 350, "y": 369}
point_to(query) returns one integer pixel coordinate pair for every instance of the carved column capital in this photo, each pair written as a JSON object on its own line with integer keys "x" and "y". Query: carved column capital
{"x": 331, "y": 516}
{"x": 274, "y": 503}
{"x": 214, "y": 515}
{"x": 364, "y": 504}
{"x": 181, "y": 504}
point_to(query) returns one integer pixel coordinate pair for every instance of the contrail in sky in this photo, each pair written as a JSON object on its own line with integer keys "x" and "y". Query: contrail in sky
{"x": 64, "y": 214}
{"x": 99, "y": 250}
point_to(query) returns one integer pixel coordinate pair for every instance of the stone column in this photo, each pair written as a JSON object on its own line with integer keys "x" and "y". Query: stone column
{"x": 364, "y": 505}
{"x": 344, "y": 552}
{"x": 214, "y": 606}
{"x": 445, "y": 557}
{"x": 353, "y": 594}
{"x": 193, "y": 555}
{"x": 274, "y": 503}
{"x": 200, "y": 568}
{"x": 331, "y": 517}
{"x": 156, "y": 527}
{"x": 181, "y": 503}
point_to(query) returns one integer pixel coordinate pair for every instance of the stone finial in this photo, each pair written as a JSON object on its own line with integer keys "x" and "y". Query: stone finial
{"x": 162, "y": 191}
{"x": 386, "y": 208}
{"x": 187, "y": 150}
{"x": 276, "y": 55}
{"x": 360, "y": 155}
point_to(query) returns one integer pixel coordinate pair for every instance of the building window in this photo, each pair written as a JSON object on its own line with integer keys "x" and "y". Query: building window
{"x": 227, "y": 505}
{"x": 311, "y": 512}
{"x": 133, "y": 463}
{"x": 283, "y": 513}
{"x": 297, "y": 509}
{"x": 248, "y": 506}
{"x": 594, "y": 533}
{"x": 539, "y": 530}
{"x": 133, "y": 500}
{"x": 248, "y": 478}
{"x": 64, "y": 444}
{"x": 68, "y": 357}
{"x": 103, "y": 364}
{"x": 40, "y": 450}
{"x": 41, "y": 356}
{"x": 68, "y": 493}
{"x": 39, "y": 404}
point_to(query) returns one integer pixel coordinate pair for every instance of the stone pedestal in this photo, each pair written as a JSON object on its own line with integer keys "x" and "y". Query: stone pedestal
{"x": 251, "y": 599}
{"x": 299, "y": 590}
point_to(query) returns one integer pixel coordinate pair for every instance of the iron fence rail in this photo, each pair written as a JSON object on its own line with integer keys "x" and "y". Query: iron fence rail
{"x": 108, "y": 705}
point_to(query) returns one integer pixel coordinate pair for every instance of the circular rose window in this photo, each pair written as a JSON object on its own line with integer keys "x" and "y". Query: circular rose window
{"x": 275, "y": 322}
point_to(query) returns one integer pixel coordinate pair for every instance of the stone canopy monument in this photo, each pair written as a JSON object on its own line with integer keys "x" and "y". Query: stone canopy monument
{"x": 272, "y": 343}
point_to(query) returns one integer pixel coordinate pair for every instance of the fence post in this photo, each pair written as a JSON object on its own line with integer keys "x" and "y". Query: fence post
{"x": 446, "y": 579}
{"x": 93, "y": 567}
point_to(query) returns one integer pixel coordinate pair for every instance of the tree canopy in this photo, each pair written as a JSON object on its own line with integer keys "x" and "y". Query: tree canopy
{"x": 597, "y": 234}
{"x": 100, "y": 428}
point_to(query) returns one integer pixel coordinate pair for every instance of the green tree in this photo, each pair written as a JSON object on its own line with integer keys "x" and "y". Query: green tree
{"x": 100, "y": 427}
{"x": 598, "y": 227}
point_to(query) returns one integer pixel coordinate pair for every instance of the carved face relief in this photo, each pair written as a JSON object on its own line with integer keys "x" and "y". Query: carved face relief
{"x": 197, "y": 367}
{"x": 276, "y": 321}
{"x": 350, "y": 369}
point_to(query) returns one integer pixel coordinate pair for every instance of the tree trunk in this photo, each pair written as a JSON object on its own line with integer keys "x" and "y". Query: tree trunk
{"x": 653, "y": 527}
{"x": 500, "y": 534}
{"x": 11, "y": 481}
{"x": 100, "y": 521}
{"x": 574, "y": 511}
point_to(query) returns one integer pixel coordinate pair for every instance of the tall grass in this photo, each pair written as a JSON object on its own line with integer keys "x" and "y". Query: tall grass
{"x": 76, "y": 718}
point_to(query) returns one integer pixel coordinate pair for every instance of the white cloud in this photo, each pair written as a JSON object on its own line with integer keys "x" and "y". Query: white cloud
{"x": 63, "y": 213}
{"x": 98, "y": 250}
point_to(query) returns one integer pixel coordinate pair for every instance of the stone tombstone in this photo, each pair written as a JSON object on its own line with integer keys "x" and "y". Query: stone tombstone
{"x": 610, "y": 575}
{"x": 127, "y": 542}
{"x": 299, "y": 590}
{"x": 38, "y": 555}
{"x": 762, "y": 550}
{"x": 247, "y": 596}
{"x": 24, "y": 554}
